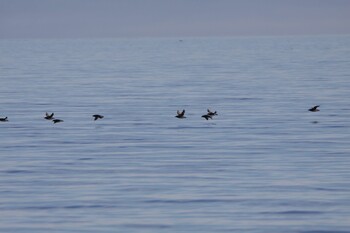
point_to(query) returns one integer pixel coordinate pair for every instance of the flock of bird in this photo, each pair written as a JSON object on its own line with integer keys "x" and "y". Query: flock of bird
{"x": 210, "y": 114}
{"x": 54, "y": 120}
{"x": 180, "y": 115}
{"x": 207, "y": 116}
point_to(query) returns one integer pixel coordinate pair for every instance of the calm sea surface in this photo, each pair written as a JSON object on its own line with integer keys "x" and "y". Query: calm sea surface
{"x": 264, "y": 164}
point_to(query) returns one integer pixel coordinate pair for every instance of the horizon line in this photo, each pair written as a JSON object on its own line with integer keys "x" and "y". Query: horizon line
{"x": 175, "y": 36}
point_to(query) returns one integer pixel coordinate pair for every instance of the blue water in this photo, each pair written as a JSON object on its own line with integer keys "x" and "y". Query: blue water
{"x": 264, "y": 164}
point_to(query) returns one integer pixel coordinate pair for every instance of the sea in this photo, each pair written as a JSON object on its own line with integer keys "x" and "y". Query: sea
{"x": 263, "y": 164}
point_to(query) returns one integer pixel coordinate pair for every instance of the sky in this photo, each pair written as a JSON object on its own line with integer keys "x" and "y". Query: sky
{"x": 171, "y": 18}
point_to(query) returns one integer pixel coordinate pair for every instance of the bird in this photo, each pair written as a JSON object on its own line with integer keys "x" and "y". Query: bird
{"x": 49, "y": 117}
{"x": 97, "y": 116}
{"x": 314, "y": 109}
{"x": 180, "y": 114}
{"x": 207, "y": 116}
{"x": 56, "y": 121}
{"x": 210, "y": 113}
{"x": 3, "y": 119}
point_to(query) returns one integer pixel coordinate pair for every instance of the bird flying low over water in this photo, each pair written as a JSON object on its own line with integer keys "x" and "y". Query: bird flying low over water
{"x": 180, "y": 114}
{"x": 207, "y": 116}
{"x": 56, "y": 121}
{"x": 97, "y": 116}
{"x": 49, "y": 117}
{"x": 314, "y": 109}
{"x": 210, "y": 113}
{"x": 3, "y": 119}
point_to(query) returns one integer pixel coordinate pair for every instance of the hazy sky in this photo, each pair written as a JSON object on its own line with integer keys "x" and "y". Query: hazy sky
{"x": 149, "y": 18}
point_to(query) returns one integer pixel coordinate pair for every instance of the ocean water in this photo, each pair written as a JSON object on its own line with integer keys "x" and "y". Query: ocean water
{"x": 264, "y": 164}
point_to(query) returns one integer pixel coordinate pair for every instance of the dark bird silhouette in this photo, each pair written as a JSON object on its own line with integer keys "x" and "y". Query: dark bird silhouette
{"x": 3, "y": 119}
{"x": 314, "y": 109}
{"x": 210, "y": 113}
{"x": 207, "y": 116}
{"x": 56, "y": 121}
{"x": 49, "y": 117}
{"x": 97, "y": 116}
{"x": 180, "y": 114}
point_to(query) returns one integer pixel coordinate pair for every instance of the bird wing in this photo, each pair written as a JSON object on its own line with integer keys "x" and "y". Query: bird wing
{"x": 180, "y": 114}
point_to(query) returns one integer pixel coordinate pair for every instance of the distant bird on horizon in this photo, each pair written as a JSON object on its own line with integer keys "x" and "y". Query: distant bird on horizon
{"x": 97, "y": 116}
{"x": 180, "y": 114}
{"x": 49, "y": 117}
{"x": 56, "y": 121}
{"x": 207, "y": 116}
{"x": 3, "y": 119}
{"x": 314, "y": 109}
{"x": 210, "y": 113}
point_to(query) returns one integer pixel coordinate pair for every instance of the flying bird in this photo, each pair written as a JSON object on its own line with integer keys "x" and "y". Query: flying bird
{"x": 314, "y": 109}
{"x": 49, "y": 117}
{"x": 207, "y": 116}
{"x": 97, "y": 116}
{"x": 180, "y": 114}
{"x": 56, "y": 121}
{"x": 210, "y": 113}
{"x": 3, "y": 119}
